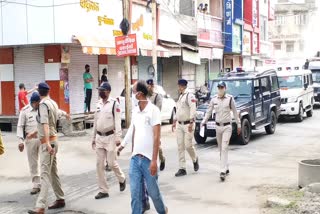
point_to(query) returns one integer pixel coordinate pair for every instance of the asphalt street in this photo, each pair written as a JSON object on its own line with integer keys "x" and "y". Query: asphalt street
{"x": 268, "y": 160}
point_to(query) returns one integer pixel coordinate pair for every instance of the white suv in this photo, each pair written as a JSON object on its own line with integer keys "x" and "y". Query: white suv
{"x": 296, "y": 93}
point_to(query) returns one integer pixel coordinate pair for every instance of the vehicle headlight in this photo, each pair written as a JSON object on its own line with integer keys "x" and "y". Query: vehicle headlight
{"x": 292, "y": 99}
{"x": 200, "y": 114}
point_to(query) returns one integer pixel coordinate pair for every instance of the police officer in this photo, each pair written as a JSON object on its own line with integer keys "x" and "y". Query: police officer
{"x": 223, "y": 104}
{"x": 156, "y": 99}
{"x": 106, "y": 137}
{"x": 47, "y": 118}
{"x": 184, "y": 124}
{"x": 27, "y": 133}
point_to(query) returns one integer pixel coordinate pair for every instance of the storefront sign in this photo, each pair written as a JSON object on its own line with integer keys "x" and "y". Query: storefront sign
{"x": 236, "y": 39}
{"x": 270, "y": 61}
{"x": 228, "y": 5}
{"x": 65, "y": 54}
{"x": 126, "y": 45}
{"x": 105, "y": 20}
{"x": 254, "y": 13}
{"x": 255, "y": 44}
{"x": 246, "y": 43}
{"x": 89, "y": 5}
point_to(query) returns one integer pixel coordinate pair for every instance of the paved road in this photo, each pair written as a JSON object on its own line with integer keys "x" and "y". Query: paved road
{"x": 266, "y": 160}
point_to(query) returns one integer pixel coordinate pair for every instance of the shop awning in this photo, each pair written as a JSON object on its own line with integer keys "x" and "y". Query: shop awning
{"x": 95, "y": 45}
{"x": 191, "y": 56}
{"x": 174, "y": 48}
{"x": 161, "y": 52}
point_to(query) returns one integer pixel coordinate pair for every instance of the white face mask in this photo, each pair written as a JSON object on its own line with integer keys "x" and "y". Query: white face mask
{"x": 221, "y": 92}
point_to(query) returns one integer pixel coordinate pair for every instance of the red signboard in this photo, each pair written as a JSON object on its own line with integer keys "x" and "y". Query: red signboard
{"x": 126, "y": 45}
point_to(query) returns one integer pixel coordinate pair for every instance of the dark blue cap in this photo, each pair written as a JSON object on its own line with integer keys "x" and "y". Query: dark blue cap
{"x": 35, "y": 97}
{"x": 182, "y": 82}
{"x": 43, "y": 85}
{"x": 150, "y": 81}
{"x": 105, "y": 86}
{"x": 222, "y": 84}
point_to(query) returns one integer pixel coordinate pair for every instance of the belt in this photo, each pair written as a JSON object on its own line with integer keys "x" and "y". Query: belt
{"x": 223, "y": 124}
{"x": 106, "y": 133}
{"x": 184, "y": 122}
{"x": 140, "y": 156}
{"x": 51, "y": 139}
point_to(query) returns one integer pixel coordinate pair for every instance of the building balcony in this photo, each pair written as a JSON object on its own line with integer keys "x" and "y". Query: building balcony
{"x": 209, "y": 30}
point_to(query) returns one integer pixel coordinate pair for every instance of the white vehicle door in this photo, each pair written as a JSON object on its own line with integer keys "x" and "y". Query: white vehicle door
{"x": 165, "y": 104}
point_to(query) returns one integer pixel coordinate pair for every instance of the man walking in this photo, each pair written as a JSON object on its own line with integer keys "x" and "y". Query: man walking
{"x": 106, "y": 137}
{"x": 88, "y": 79}
{"x": 22, "y": 95}
{"x": 223, "y": 104}
{"x": 156, "y": 99}
{"x": 47, "y": 118}
{"x": 144, "y": 133}
{"x": 186, "y": 110}
{"x": 27, "y": 133}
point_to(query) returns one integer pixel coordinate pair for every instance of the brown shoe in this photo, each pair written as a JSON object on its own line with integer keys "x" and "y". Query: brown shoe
{"x": 36, "y": 211}
{"x": 35, "y": 191}
{"x": 57, "y": 204}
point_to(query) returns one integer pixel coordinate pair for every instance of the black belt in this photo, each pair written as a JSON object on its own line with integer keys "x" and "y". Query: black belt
{"x": 185, "y": 122}
{"x": 106, "y": 133}
{"x": 222, "y": 124}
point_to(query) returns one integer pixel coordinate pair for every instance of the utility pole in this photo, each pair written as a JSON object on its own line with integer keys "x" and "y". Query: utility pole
{"x": 127, "y": 70}
{"x": 154, "y": 39}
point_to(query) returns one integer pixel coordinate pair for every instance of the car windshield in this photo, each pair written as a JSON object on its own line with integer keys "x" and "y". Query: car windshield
{"x": 237, "y": 88}
{"x": 316, "y": 76}
{"x": 290, "y": 82}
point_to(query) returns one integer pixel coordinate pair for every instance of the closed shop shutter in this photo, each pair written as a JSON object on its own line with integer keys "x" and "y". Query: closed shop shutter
{"x": 170, "y": 75}
{"x": 201, "y": 73}
{"x": 188, "y": 73}
{"x": 28, "y": 68}
{"x": 116, "y": 74}
{"x": 76, "y": 85}
{"x": 143, "y": 63}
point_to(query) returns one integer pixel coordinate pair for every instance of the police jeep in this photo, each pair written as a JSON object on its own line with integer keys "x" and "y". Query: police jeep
{"x": 257, "y": 97}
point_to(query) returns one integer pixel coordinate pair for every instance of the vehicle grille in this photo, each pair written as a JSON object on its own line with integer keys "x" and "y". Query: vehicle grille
{"x": 284, "y": 100}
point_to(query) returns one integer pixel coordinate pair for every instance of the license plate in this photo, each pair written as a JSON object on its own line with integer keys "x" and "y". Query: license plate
{"x": 211, "y": 125}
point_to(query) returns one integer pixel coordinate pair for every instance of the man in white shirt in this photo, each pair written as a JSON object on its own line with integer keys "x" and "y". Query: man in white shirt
{"x": 144, "y": 133}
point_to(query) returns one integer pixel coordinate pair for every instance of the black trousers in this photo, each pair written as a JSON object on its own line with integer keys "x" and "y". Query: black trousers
{"x": 87, "y": 99}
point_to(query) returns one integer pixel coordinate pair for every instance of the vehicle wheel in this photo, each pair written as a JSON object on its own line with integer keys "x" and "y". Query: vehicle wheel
{"x": 310, "y": 112}
{"x": 172, "y": 116}
{"x": 199, "y": 139}
{"x": 271, "y": 128}
{"x": 245, "y": 132}
{"x": 299, "y": 117}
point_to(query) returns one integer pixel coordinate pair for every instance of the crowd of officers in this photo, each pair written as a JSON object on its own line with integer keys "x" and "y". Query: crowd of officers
{"x": 37, "y": 131}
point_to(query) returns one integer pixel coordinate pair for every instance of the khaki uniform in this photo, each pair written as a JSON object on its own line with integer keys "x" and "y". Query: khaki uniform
{"x": 27, "y": 124}
{"x": 186, "y": 110}
{"x": 156, "y": 99}
{"x": 49, "y": 114}
{"x": 223, "y": 107}
{"x": 1, "y": 144}
{"x": 107, "y": 118}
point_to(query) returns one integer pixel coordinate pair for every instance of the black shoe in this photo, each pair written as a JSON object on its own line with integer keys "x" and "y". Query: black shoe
{"x": 101, "y": 195}
{"x": 196, "y": 165}
{"x": 222, "y": 176}
{"x": 228, "y": 172}
{"x": 146, "y": 206}
{"x": 181, "y": 172}
{"x": 122, "y": 186}
{"x": 162, "y": 165}
{"x": 35, "y": 191}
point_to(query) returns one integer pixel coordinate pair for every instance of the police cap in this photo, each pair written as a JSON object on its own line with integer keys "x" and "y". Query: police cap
{"x": 105, "y": 86}
{"x": 182, "y": 82}
{"x": 44, "y": 86}
{"x": 222, "y": 84}
{"x": 35, "y": 97}
{"x": 150, "y": 82}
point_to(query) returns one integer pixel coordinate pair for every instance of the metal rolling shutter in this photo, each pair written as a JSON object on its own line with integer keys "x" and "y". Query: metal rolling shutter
{"x": 76, "y": 85}
{"x": 188, "y": 73}
{"x": 170, "y": 76}
{"x": 28, "y": 68}
{"x": 201, "y": 73}
{"x": 143, "y": 63}
{"x": 116, "y": 75}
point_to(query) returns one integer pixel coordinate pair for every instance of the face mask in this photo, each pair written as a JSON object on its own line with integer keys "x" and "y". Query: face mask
{"x": 134, "y": 100}
{"x": 221, "y": 92}
{"x": 102, "y": 94}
